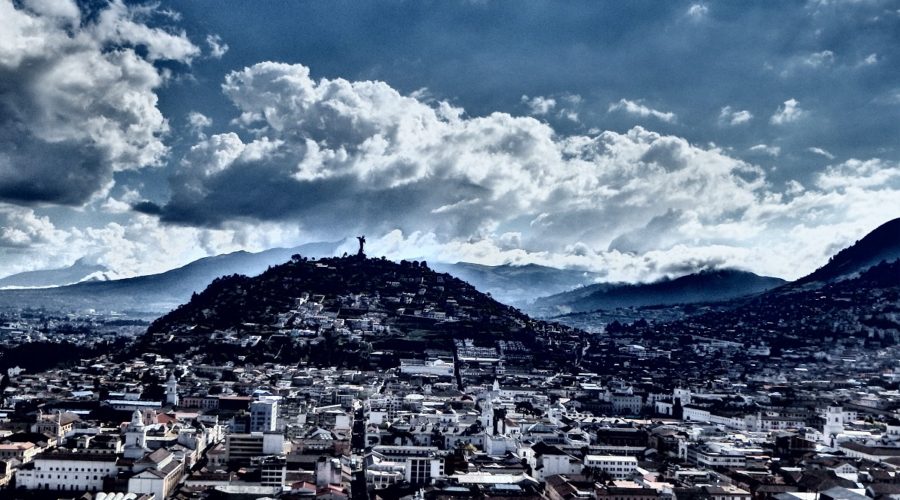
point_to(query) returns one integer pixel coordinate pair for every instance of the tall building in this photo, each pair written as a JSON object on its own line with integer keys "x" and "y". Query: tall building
{"x": 264, "y": 414}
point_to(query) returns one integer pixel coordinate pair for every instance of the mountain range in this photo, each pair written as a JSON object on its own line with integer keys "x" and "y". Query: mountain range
{"x": 86, "y": 287}
{"x": 518, "y": 285}
{"x": 151, "y": 294}
{"x": 722, "y": 285}
{"x": 705, "y": 286}
{"x": 538, "y": 290}
{"x": 81, "y": 270}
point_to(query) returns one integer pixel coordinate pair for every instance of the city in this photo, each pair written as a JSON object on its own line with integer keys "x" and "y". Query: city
{"x": 449, "y": 250}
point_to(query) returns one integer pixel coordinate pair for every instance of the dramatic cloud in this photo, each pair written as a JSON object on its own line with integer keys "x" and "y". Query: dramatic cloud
{"x": 789, "y": 112}
{"x": 638, "y": 109}
{"x": 22, "y": 228}
{"x": 346, "y": 156}
{"x": 334, "y": 157}
{"x": 140, "y": 246}
{"x": 77, "y": 98}
{"x": 861, "y": 174}
{"x": 449, "y": 172}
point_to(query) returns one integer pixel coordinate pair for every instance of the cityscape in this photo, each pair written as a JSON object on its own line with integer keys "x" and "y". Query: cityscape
{"x": 449, "y": 250}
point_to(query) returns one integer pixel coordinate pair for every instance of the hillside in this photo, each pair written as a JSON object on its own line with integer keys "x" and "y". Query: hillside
{"x": 852, "y": 317}
{"x": 705, "y": 286}
{"x": 355, "y": 311}
{"x": 155, "y": 293}
{"x": 882, "y": 244}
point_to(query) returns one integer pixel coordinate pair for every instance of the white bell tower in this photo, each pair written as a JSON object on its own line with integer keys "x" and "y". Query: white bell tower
{"x": 487, "y": 416}
{"x": 172, "y": 390}
{"x": 136, "y": 437}
{"x": 834, "y": 424}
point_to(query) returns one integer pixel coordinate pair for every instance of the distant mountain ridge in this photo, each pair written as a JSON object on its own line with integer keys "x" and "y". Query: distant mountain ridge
{"x": 705, "y": 286}
{"x": 561, "y": 291}
{"x": 518, "y": 285}
{"x": 79, "y": 271}
{"x": 510, "y": 284}
{"x": 158, "y": 293}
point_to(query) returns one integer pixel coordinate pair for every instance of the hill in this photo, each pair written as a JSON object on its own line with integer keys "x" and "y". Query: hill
{"x": 156, "y": 293}
{"x": 705, "y": 286}
{"x": 851, "y": 318}
{"x": 882, "y": 244}
{"x": 355, "y": 311}
{"x": 518, "y": 285}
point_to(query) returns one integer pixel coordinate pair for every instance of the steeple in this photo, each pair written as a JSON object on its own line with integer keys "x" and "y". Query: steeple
{"x": 487, "y": 416}
{"x": 172, "y": 390}
{"x": 135, "y": 437}
{"x": 137, "y": 421}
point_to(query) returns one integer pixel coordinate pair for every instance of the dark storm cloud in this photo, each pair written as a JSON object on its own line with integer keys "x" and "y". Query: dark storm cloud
{"x": 77, "y": 101}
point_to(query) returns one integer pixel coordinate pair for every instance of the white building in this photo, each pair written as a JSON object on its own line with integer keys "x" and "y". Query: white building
{"x": 67, "y": 471}
{"x": 264, "y": 414}
{"x": 157, "y": 474}
{"x": 614, "y": 465}
{"x": 433, "y": 367}
{"x": 834, "y": 424}
{"x": 415, "y": 464}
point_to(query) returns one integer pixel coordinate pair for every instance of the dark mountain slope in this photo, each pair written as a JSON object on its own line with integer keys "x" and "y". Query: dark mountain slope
{"x": 882, "y": 244}
{"x": 415, "y": 307}
{"x": 705, "y": 286}
{"x": 855, "y": 317}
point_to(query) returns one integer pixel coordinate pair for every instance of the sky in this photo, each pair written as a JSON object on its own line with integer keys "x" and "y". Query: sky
{"x": 634, "y": 139}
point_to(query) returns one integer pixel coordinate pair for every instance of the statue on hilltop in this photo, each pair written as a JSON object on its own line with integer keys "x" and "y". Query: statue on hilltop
{"x": 362, "y": 243}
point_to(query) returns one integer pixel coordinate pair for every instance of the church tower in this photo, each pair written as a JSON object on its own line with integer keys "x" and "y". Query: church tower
{"x": 487, "y": 415}
{"x": 136, "y": 437}
{"x": 834, "y": 423}
{"x": 172, "y": 390}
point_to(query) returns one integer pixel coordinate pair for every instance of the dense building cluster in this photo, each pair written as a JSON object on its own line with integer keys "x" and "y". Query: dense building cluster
{"x": 363, "y": 378}
{"x": 469, "y": 422}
